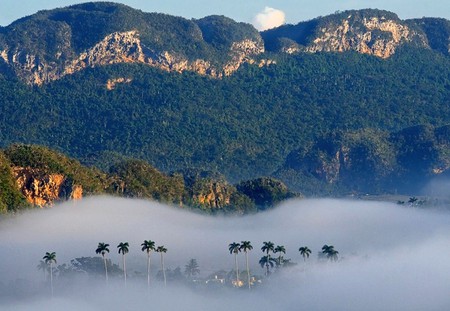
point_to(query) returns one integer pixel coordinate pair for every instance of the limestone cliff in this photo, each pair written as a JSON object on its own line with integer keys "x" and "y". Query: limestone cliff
{"x": 374, "y": 36}
{"x": 372, "y": 32}
{"x": 125, "y": 47}
{"x": 43, "y": 189}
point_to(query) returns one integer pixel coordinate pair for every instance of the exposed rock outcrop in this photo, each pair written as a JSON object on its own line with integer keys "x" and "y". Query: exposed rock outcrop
{"x": 214, "y": 195}
{"x": 376, "y": 36}
{"x": 373, "y": 32}
{"x": 43, "y": 189}
{"x": 126, "y": 47}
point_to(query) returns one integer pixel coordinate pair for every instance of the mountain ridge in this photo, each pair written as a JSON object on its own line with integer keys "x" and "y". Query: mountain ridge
{"x": 277, "y": 108}
{"x": 50, "y": 44}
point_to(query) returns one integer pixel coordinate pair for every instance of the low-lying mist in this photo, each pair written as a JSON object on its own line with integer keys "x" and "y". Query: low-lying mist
{"x": 391, "y": 257}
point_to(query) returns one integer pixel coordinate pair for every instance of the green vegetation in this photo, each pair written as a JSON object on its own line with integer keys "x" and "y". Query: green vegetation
{"x": 204, "y": 191}
{"x": 290, "y": 120}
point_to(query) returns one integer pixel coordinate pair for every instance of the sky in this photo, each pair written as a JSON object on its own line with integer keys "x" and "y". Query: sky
{"x": 391, "y": 257}
{"x": 294, "y": 11}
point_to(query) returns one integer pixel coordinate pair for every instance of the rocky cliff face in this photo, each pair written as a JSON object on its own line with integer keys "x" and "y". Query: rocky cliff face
{"x": 43, "y": 189}
{"x": 214, "y": 195}
{"x": 372, "y": 32}
{"x": 375, "y": 36}
{"x": 125, "y": 47}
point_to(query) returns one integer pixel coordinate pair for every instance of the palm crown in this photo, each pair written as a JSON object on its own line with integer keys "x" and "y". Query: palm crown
{"x": 102, "y": 248}
{"x": 49, "y": 257}
{"x": 123, "y": 247}
{"x": 234, "y": 248}
{"x": 148, "y": 246}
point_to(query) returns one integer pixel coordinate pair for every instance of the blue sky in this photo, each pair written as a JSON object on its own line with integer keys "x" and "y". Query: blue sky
{"x": 243, "y": 11}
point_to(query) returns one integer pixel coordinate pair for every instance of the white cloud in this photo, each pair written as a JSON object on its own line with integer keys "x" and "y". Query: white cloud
{"x": 269, "y": 18}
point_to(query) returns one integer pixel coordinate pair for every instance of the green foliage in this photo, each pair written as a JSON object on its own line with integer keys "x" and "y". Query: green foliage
{"x": 11, "y": 199}
{"x": 254, "y": 123}
{"x": 50, "y": 161}
{"x": 265, "y": 192}
{"x": 137, "y": 178}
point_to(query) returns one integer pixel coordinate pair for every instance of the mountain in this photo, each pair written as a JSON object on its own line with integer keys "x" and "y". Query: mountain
{"x": 320, "y": 105}
{"x": 52, "y": 44}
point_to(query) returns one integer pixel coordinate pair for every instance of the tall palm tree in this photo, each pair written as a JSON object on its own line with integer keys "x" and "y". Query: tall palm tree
{"x": 234, "y": 248}
{"x": 280, "y": 249}
{"x": 246, "y": 246}
{"x": 268, "y": 262}
{"x": 305, "y": 252}
{"x": 123, "y": 248}
{"x": 267, "y": 248}
{"x": 50, "y": 259}
{"x": 102, "y": 249}
{"x": 162, "y": 250}
{"x": 148, "y": 246}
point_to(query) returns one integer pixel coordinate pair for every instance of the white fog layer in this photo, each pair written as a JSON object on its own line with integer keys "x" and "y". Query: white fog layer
{"x": 391, "y": 257}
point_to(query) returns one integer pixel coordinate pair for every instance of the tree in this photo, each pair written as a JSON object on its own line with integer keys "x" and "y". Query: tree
{"x": 148, "y": 246}
{"x": 50, "y": 259}
{"x": 282, "y": 250}
{"x": 191, "y": 269}
{"x": 162, "y": 250}
{"x": 245, "y": 247}
{"x": 234, "y": 248}
{"x": 267, "y": 248}
{"x": 102, "y": 249}
{"x": 268, "y": 262}
{"x": 330, "y": 252}
{"x": 123, "y": 248}
{"x": 305, "y": 252}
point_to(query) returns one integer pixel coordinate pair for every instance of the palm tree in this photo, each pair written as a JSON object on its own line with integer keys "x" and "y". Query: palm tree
{"x": 148, "y": 246}
{"x": 330, "y": 252}
{"x": 234, "y": 248}
{"x": 267, "y": 248}
{"x": 102, "y": 248}
{"x": 268, "y": 262}
{"x": 50, "y": 259}
{"x": 162, "y": 250}
{"x": 191, "y": 269}
{"x": 280, "y": 249}
{"x": 305, "y": 252}
{"x": 123, "y": 248}
{"x": 245, "y": 247}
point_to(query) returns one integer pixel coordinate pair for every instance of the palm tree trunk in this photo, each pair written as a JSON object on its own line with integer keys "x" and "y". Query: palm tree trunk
{"x": 106, "y": 270}
{"x": 51, "y": 277}
{"x": 248, "y": 270}
{"x": 148, "y": 269}
{"x": 237, "y": 269}
{"x": 124, "y": 269}
{"x": 163, "y": 270}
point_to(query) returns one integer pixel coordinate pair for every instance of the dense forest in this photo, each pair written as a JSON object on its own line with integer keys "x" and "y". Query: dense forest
{"x": 30, "y": 171}
{"x": 323, "y": 123}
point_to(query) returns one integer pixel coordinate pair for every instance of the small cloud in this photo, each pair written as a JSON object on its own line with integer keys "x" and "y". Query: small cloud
{"x": 269, "y": 18}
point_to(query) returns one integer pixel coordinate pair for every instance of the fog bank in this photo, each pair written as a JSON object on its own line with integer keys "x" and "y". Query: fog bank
{"x": 391, "y": 257}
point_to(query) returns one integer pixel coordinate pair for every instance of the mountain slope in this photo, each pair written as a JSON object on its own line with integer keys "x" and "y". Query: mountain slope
{"x": 114, "y": 91}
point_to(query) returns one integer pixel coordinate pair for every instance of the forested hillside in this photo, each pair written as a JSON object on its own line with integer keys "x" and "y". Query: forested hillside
{"x": 283, "y": 113}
